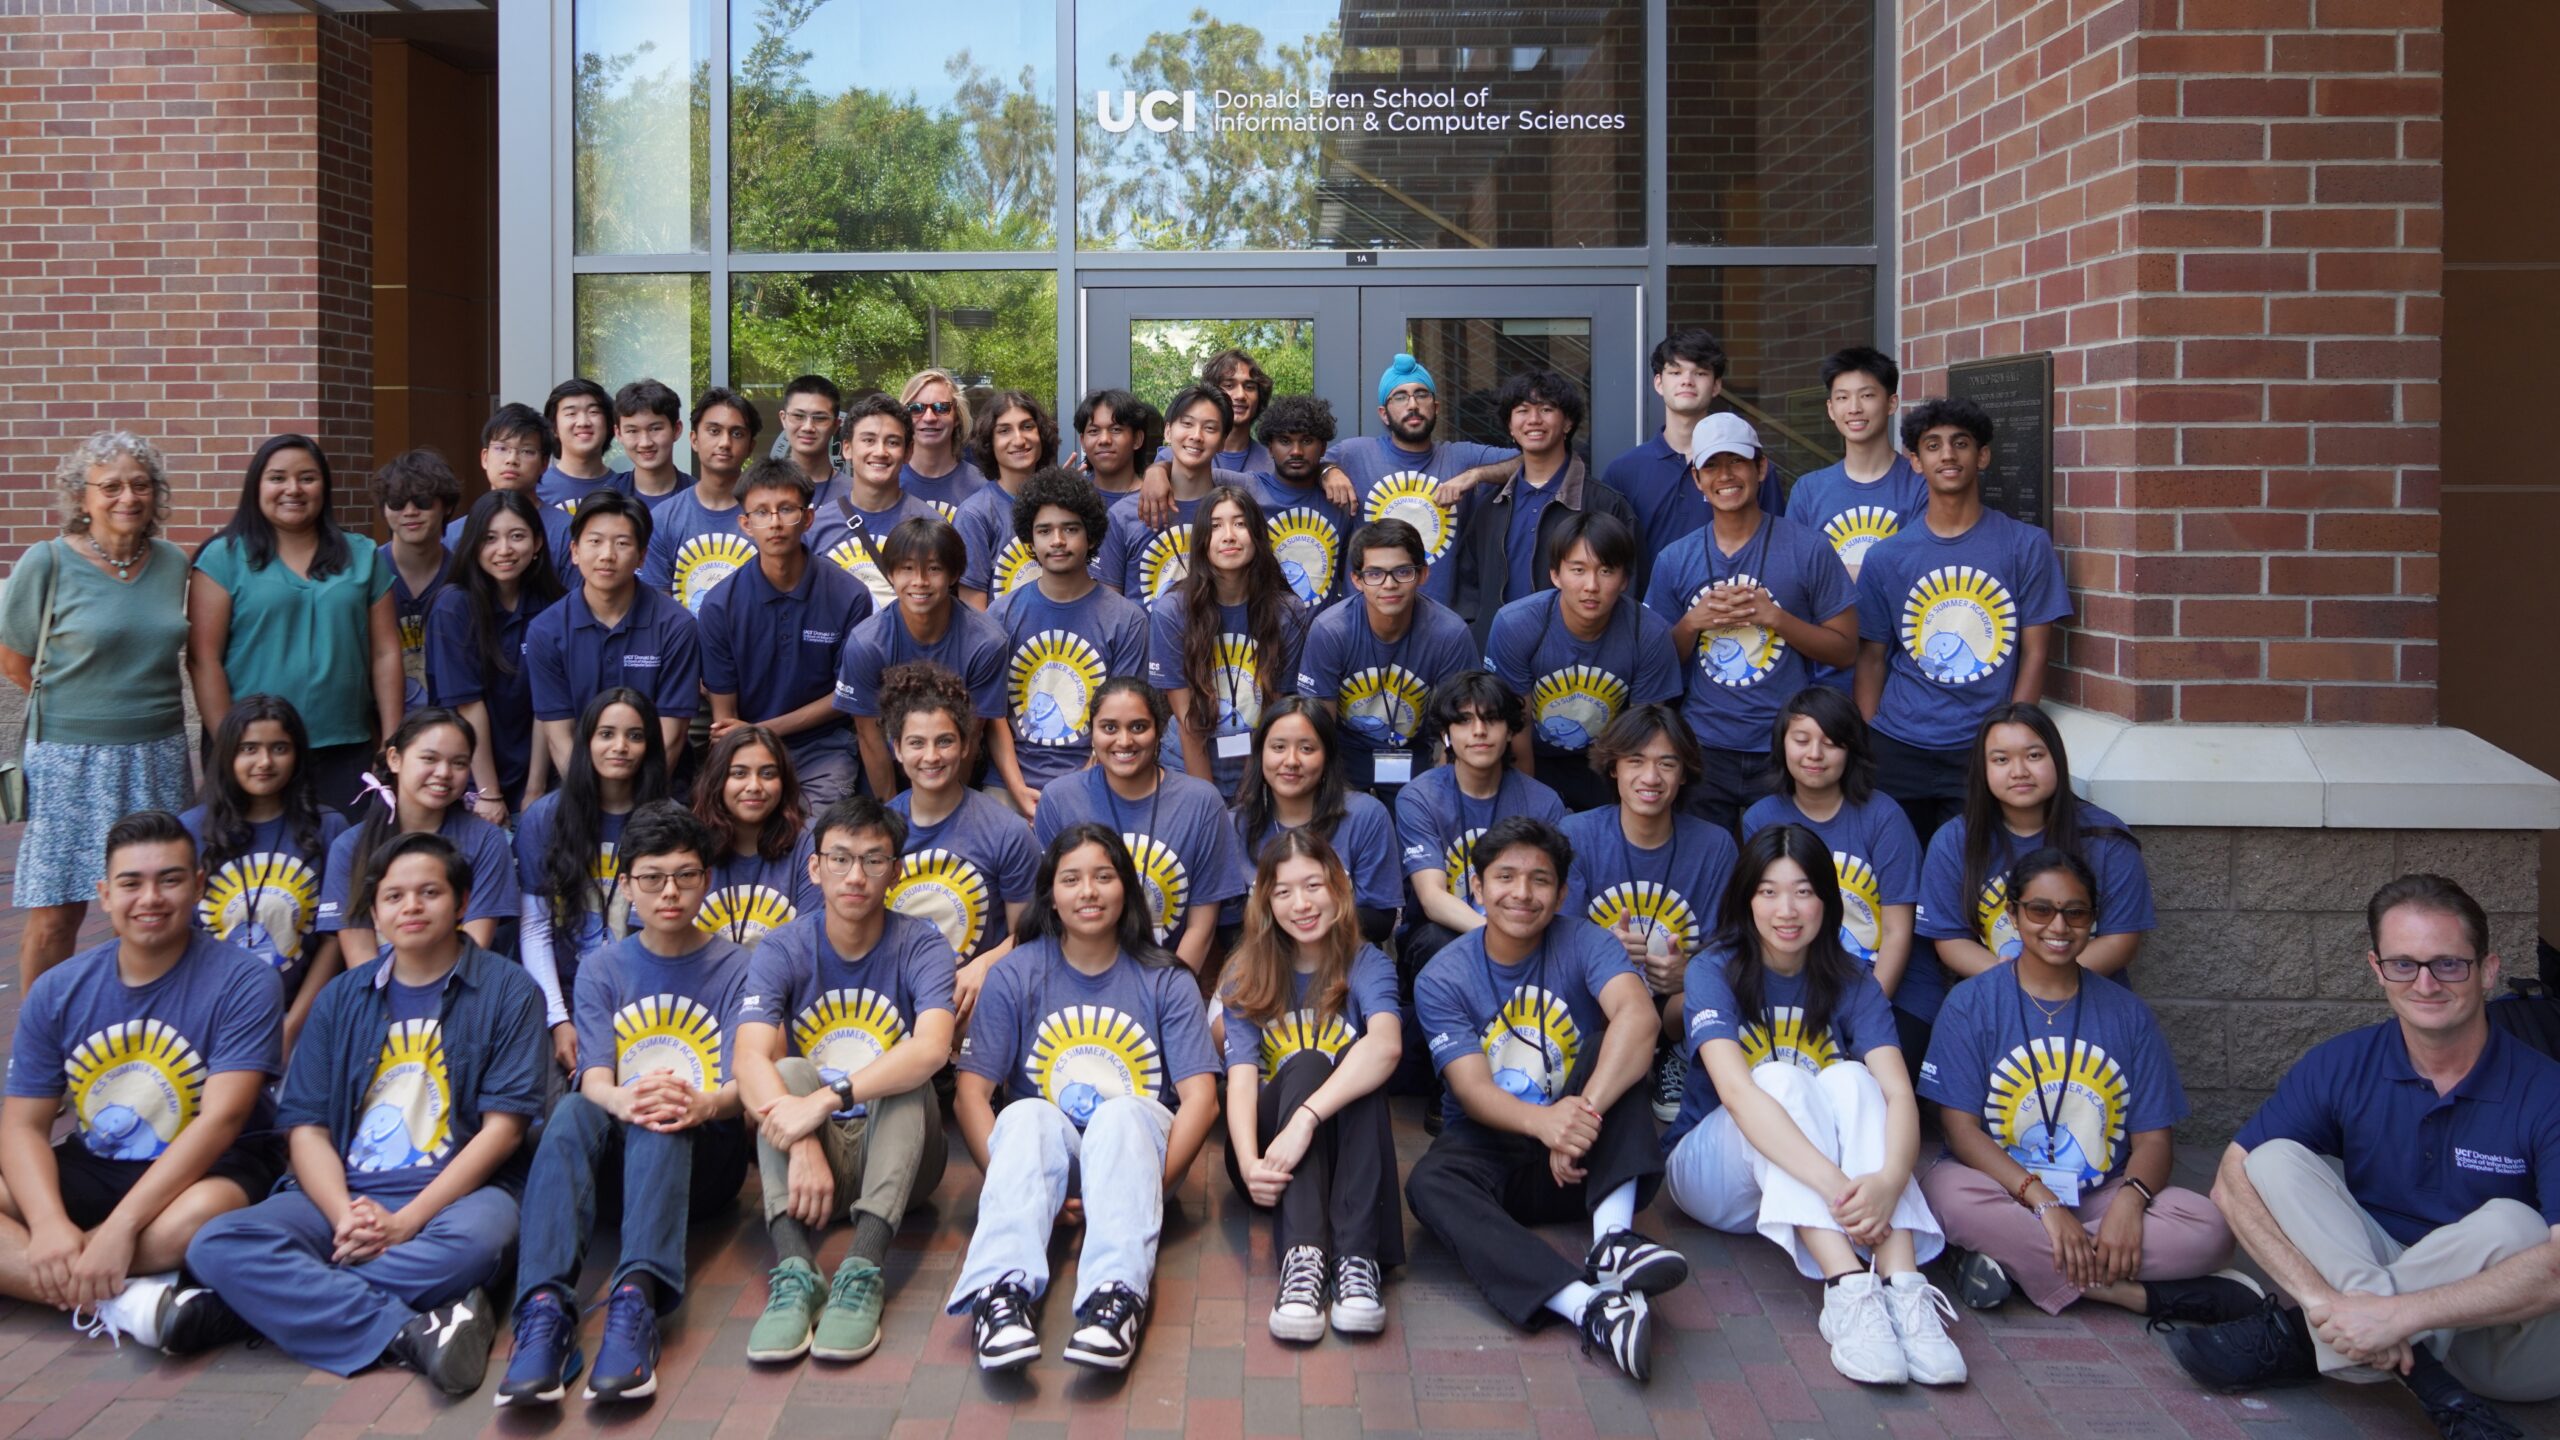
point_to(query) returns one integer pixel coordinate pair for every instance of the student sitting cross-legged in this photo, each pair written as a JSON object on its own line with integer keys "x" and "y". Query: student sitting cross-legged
{"x": 1092, "y": 1027}
{"x": 656, "y": 1110}
{"x": 405, "y": 1108}
{"x": 848, "y": 1015}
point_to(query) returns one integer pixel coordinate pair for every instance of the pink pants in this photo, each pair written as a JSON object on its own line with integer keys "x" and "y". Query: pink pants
{"x": 2183, "y": 1236}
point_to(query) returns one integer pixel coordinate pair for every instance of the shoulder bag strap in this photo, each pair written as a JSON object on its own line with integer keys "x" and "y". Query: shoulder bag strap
{"x": 854, "y": 526}
{"x": 29, "y": 728}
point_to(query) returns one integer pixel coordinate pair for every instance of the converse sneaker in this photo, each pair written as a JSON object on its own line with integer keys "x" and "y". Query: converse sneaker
{"x": 1000, "y": 1325}
{"x": 1357, "y": 1310}
{"x": 1619, "y": 1324}
{"x": 546, "y": 1356}
{"x": 132, "y": 1313}
{"x": 1920, "y": 1313}
{"x": 1107, "y": 1327}
{"x": 448, "y": 1345}
{"x": 1299, "y": 1313}
{"x": 1625, "y": 1260}
{"x": 1864, "y": 1345}
{"x": 1670, "y": 1080}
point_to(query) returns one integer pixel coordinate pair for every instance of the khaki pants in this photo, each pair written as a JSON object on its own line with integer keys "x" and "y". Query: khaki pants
{"x": 2311, "y": 1204}
{"x": 880, "y": 1160}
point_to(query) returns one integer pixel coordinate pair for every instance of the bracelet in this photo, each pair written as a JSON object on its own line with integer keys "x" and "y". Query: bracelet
{"x": 2020, "y": 1194}
{"x": 2044, "y": 1206}
{"x": 1310, "y": 1108}
{"x": 2149, "y": 1197}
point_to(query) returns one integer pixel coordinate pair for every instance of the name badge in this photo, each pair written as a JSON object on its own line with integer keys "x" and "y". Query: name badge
{"x": 2062, "y": 1177}
{"x": 1394, "y": 767}
{"x": 1235, "y": 747}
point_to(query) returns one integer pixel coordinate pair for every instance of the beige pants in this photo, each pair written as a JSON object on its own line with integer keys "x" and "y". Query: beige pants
{"x": 880, "y": 1161}
{"x": 2310, "y": 1202}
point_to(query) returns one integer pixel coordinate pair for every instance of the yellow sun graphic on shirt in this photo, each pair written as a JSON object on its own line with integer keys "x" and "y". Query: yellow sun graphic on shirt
{"x": 1299, "y": 1031}
{"x": 1013, "y": 569}
{"x": 1238, "y": 683}
{"x": 1458, "y": 861}
{"x": 1163, "y": 876}
{"x": 1407, "y": 496}
{"x": 413, "y": 639}
{"x": 946, "y": 890}
{"x": 1652, "y": 907}
{"x": 263, "y": 903}
{"x": 1861, "y": 911}
{"x": 134, "y": 1086}
{"x": 843, "y": 1030}
{"x": 667, "y": 1032}
{"x": 1383, "y": 704}
{"x": 1737, "y": 656}
{"x": 1992, "y": 923}
{"x": 1854, "y": 531}
{"x": 2087, "y": 1096}
{"x": 744, "y": 914}
{"x": 1164, "y": 560}
{"x": 1051, "y": 681}
{"x": 1308, "y": 548}
{"x": 1086, "y": 1054}
{"x": 704, "y": 561}
{"x": 854, "y": 558}
{"x": 1532, "y": 1044}
{"x": 1572, "y": 706}
{"x": 1958, "y": 624}
{"x": 407, "y": 1116}
{"x": 949, "y": 512}
{"x": 1784, "y": 1038}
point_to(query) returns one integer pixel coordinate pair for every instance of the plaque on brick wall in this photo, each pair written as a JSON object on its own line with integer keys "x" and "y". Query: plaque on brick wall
{"x": 2017, "y": 390}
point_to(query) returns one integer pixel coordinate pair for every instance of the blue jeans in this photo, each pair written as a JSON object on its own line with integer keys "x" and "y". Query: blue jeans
{"x": 1035, "y": 1159}
{"x": 271, "y": 1263}
{"x": 666, "y": 1182}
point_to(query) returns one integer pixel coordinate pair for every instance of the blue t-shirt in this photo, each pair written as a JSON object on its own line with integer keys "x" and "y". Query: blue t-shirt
{"x": 1676, "y": 890}
{"x": 1390, "y": 482}
{"x": 405, "y": 1126}
{"x": 459, "y": 671}
{"x": 1535, "y": 1023}
{"x": 842, "y": 1014}
{"x": 1180, "y": 838}
{"x": 555, "y": 535}
{"x": 683, "y": 486}
{"x": 1253, "y": 459}
{"x": 2124, "y": 899}
{"x": 2054, "y": 1092}
{"x": 834, "y": 535}
{"x": 692, "y": 548}
{"x": 1660, "y": 487}
{"x": 962, "y": 872}
{"x": 266, "y": 898}
{"x": 1861, "y": 1024}
{"x": 1044, "y": 1029}
{"x": 1056, "y": 657}
{"x": 945, "y": 492}
{"x": 133, "y": 1060}
{"x": 996, "y": 561}
{"x": 777, "y": 651}
{"x": 411, "y": 608}
{"x": 1365, "y": 839}
{"x": 1528, "y": 504}
{"x": 604, "y": 912}
{"x": 1854, "y": 514}
{"x": 1371, "y": 993}
{"x": 493, "y": 875}
{"x": 1306, "y": 534}
{"x": 1873, "y": 855}
{"x": 559, "y": 490}
{"x": 660, "y": 1012}
{"x": 1746, "y": 673}
{"x": 2418, "y": 1161}
{"x": 752, "y": 897}
{"x": 1237, "y": 689}
{"x": 972, "y": 647}
{"x": 655, "y": 649}
{"x": 1575, "y": 687}
{"x": 1141, "y": 562}
{"x": 1439, "y": 822}
{"x": 1951, "y": 614}
{"x": 1379, "y": 688}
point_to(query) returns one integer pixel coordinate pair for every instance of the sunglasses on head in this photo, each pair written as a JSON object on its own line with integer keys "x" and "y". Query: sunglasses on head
{"x": 938, "y": 407}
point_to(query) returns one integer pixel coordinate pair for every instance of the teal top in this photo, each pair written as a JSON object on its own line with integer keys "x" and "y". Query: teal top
{"x": 111, "y": 671}
{"x": 306, "y": 640}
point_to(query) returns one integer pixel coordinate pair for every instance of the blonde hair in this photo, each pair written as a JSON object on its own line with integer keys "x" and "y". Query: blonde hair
{"x": 908, "y": 392}
{"x": 71, "y": 477}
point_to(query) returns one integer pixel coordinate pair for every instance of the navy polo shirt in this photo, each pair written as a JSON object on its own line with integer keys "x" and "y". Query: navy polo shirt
{"x": 777, "y": 652}
{"x": 2418, "y": 1161}
{"x": 572, "y": 656}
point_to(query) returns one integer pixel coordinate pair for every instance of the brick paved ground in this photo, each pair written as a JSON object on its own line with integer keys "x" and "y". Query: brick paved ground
{"x": 1735, "y": 1355}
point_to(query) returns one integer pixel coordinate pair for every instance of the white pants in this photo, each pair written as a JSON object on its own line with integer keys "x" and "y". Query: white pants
{"x": 1724, "y": 1184}
{"x": 1036, "y": 1158}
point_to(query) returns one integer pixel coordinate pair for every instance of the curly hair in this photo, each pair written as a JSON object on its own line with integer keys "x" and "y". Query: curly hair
{"x": 71, "y": 477}
{"x": 1297, "y": 415}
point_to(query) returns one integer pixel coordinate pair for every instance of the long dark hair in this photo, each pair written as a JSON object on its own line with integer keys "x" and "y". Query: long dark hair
{"x": 1828, "y": 970}
{"x": 1982, "y": 818}
{"x": 1137, "y": 937}
{"x": 781, "y": 827}
{"x": 255, "y": 535}
{"x": 567, "y": 875}
{"x": 536, "y": 588}
{"x": 381, "y": 824}
{"x": 982, "y": 431}
{"x": 227, "y": 831}
{"x": 1267, "y": 956}
{"x": 1255, "y": 804}
{"x": 1268, "y": 602}
{"x": 1158, "y": 709}
{"x": 1838, "y": 719}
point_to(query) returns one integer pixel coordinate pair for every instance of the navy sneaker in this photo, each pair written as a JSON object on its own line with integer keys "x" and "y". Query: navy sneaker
{"x": 627, "y": 1357}
{"x": 546, "y": 1354}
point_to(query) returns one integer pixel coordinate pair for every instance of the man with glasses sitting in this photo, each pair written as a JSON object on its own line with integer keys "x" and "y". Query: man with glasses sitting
{"x": 2403, "y": 1184}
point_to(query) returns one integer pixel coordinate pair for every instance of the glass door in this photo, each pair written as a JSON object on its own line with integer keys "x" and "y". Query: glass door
{"x": 1152, "y": 340}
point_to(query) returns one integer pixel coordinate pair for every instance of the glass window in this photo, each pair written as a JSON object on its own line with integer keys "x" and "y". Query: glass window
{"x": 857, "y": 128}
{"x": 641, "y": 113}
{"x": 1166, "y": 355}
{"x": 1776, "y": 324}
{"x": 1469, "y": 360}
{"x": 1313, "y": 125}
{"x": 1772, "y": 122}
{"x": 994, "y": 329}
{"x": 633, "y": 327}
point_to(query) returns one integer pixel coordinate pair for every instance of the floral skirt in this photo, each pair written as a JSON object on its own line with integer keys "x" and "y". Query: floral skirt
{"x": 74, "y": 794}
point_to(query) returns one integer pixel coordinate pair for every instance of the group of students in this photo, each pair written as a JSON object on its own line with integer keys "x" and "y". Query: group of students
{"x": 1085, "y": 798}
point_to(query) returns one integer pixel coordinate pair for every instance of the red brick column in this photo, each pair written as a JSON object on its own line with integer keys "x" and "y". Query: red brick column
{"x": 2224, "y": 217}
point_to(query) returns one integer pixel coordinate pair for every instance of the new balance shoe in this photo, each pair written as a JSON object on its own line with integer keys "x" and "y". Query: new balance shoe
{"x": 1920, "y": 1313}
{"x": 627, "y": 1357}
{"x": 1625, "y": 1260}
{"x": 1357, "y": 1310}
{"x": 1856, "y": 1321}
{"x": 1000, "y": 1325}
{"x": 132, "y": 1313}
{"x": 546, "y": 1356}
{"x": 793, "y": 1296}
{"x": 2210, "y": 1300}
{"x": 1108, "y": 1324}
{"x": 1670, "y": 1080}
{"x": 448, "y": 1345}
{"x": 1299, "y": 1313}
{"x": 1619, "y": 1324}
{"x": 849, "y": 1328}
{"x": 2270, "y": 1346}
{"x": 194, "y": 1320}
{"x": 1981, "y": 1283}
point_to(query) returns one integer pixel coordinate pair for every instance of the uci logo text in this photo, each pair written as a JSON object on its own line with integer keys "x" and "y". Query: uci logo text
{"x": 1149, "y": 111}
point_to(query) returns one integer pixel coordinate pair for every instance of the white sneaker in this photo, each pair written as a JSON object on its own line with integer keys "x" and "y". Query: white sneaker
{"x": 1864, "y": 1344}
{"x": 1920, "y": 1312}
{"x": 133, "y": 1313}
{"x": 1299, "y": 1315}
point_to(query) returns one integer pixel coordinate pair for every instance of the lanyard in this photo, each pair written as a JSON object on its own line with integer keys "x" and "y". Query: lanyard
{"x": 1756, "y": 568}
{"x": 2071, "y": 1048}
{"x": 1501, "y": 1010}
{"x": 1670, "y": 872}
{"x": 1232, "y": 686}
{"x": 738, "y": 921}
{"x": 1111, "y": 797}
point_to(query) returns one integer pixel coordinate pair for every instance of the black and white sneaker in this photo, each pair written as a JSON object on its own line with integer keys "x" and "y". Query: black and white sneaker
{"x": 1981, "y": 1283}
{"x": 1625, "y": 1260}
{"x": 1619, "y": 1324}
{"x": 1000, "y": 1325}
{"x": 1357, "y": 1310}
{"x": 1298, "y": 1315}
{"x": 194, "y": 1320}
{"x": 448, "y": 1345}
{"x": 1670, "y": 1080}
{"x": 1107, "y": 1328}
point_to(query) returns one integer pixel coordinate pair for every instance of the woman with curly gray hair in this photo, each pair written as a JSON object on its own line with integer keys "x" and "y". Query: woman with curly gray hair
{"x": 93, "y": 626}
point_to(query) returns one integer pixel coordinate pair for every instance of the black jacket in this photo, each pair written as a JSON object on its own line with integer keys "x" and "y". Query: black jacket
{"x": 1483, "y": 549}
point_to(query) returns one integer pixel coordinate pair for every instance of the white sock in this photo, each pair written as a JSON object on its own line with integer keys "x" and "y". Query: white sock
{"x": 1616, "y": 1211}
{"x": 1572, "y": 1300}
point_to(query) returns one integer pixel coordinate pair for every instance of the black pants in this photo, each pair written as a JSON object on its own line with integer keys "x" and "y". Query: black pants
{"x": 1929, "y": 784}
{"x": 337, "y": 777}
{"x": 1731, "y": 782}
{"x": 1569, "y": 774}
{"x": 91, "y": 1186}
{"x": 1342, "y": 1197}
{"x": 1415, "y": 1074}
{"x": 1480, "y": 1190}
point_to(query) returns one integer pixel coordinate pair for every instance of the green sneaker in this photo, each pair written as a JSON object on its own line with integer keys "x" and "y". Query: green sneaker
{"x": 782, "y": 1332}
{"x": 849, "y": 1328}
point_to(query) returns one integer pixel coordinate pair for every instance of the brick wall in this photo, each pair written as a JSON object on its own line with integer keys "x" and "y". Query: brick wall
{"x": 2224, "y": 218}
{"x": 1771, "y": 123}
{"x": 182, "y": 244}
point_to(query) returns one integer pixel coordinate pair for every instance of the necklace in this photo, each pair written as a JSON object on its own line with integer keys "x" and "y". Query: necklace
{"x": 124, "y": 567}
{"x": 2052, "y": 1013}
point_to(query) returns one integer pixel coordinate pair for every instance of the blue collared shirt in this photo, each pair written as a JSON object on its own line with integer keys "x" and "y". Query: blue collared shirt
{"x": 572, "y": 656}
{"x": 778, "y": 651}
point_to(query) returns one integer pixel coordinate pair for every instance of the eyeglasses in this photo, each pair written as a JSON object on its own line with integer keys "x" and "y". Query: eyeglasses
{"x": 407, "y": 502}
{"x": 937, "y": 407}
{"x": 2043, "y": 912}
{"x": 787, "y": 514}
{"x": 1401, "y": 575}
{"x": 651, "y": 882}
{"x": 120, "y": 489}
{"x": 514, "y": 452}
{"x": 2449, "y": 969}
{"x": 840, "y": 863}
{"x": 808, "y": 417}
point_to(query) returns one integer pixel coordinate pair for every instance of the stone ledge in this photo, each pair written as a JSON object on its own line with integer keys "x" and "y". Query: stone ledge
{"x": 2354, "y": 777}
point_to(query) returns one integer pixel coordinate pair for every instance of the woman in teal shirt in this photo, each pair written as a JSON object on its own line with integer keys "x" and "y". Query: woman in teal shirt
{"x": 286, "y": 603}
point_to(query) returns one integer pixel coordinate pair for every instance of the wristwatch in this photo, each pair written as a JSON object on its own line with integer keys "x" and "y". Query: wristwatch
{"x": 844, "y": 1092}
{"x": 2149, "y": 1199}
